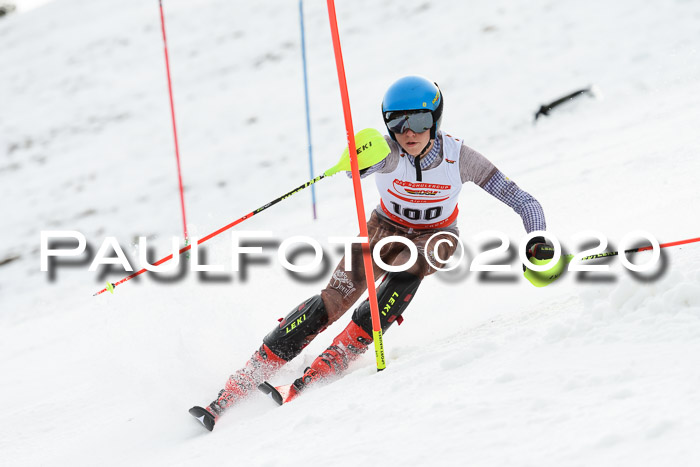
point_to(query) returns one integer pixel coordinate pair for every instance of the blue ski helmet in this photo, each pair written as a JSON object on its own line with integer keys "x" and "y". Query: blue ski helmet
{"x": 413, "y": 93}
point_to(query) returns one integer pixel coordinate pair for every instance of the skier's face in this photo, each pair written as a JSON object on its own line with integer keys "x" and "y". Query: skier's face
{"x": 412, "y": 142}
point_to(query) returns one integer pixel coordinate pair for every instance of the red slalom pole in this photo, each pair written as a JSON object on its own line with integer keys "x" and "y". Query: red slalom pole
{"x": 172, "y": 114}
{"x": 665, "y": 245}
{"x": 359, "y": 202}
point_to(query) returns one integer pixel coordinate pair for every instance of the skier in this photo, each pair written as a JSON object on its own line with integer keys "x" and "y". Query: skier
{"x": 419, "y": 184}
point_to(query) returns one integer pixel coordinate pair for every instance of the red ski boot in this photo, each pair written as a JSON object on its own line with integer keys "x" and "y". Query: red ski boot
{"x": 262, "y": 365}
{"x": 345, "y": 348}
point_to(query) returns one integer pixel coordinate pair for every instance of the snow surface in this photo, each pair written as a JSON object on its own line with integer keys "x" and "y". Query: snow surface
{"x": 482, "y": 372}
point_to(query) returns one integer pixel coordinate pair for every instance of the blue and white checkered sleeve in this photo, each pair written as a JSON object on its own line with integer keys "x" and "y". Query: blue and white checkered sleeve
{"x": 505, "y": 189}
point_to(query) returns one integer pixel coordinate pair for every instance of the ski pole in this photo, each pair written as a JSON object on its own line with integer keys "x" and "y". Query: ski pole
{"x": 372, "y": 148}
{"x": 543, "y": 278}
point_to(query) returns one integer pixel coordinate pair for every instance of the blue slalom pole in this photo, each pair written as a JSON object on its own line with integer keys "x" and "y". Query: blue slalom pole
{"x": 306, "y": 100}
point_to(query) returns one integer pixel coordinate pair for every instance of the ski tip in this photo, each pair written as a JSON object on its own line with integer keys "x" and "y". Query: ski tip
{"x": 203, "y": 416}
{"x": 271, "y": 391}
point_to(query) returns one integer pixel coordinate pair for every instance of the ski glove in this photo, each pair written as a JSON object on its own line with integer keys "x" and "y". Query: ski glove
{"x": 538, "y": 248}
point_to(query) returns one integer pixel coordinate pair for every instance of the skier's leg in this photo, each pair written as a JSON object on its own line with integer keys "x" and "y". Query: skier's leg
{"x": 281, "y": 345}
{"x": 393, "y": 297}
{"x": 303, "y": 323}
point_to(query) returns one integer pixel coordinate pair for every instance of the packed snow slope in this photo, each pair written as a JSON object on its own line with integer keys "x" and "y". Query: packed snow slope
{"x": 600, "y": 369}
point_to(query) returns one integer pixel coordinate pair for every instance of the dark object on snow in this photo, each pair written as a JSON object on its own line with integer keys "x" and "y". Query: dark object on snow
{"x": 546, "y": 108}
{"x": 204, "y": 417}
{"x": 6, "y": 8}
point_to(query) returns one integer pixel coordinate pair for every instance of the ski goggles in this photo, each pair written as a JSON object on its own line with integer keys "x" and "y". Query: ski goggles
{"x": 399, "y": 122}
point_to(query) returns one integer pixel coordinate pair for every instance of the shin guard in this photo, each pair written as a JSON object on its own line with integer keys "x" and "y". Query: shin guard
{"x": 393, "y": 296}
{"x": 298, "y": 328}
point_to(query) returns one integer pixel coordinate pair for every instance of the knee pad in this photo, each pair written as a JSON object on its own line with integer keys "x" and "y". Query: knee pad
{"x": 298, "y": 328}
{"x": 393, "y": 296}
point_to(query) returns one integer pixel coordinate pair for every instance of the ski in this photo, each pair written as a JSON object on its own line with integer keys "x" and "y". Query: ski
{"x": 279, "y": 394}
{"x": 203, "y": 416}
